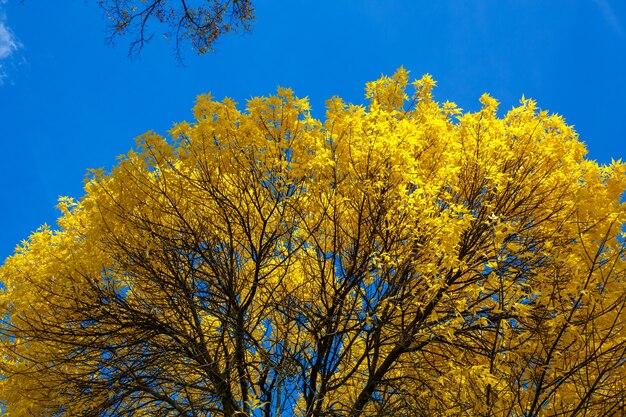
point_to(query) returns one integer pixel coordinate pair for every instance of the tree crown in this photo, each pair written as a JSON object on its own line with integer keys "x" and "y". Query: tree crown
{"x": 398, "y": 258}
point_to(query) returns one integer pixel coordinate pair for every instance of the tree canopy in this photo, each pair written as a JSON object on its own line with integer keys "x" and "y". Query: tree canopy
{"x": 400, "y": 258}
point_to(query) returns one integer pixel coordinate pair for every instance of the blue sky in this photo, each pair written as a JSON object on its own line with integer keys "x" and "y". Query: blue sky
{"x": 69, "y": 101}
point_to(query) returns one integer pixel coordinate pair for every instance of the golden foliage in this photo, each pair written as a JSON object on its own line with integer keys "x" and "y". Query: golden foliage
{"x": 400, "y": 258}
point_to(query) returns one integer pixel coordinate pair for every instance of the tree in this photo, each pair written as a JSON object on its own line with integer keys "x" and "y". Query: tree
{"x": 200, "y": 22}
{"x": 397, "y": 259}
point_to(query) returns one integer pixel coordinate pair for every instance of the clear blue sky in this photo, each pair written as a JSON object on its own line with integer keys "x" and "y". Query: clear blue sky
{"x": 69, "y": 102}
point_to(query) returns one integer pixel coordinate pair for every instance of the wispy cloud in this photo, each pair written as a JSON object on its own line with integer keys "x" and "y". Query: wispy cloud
{"x": 9, "y": 45}
{"x": 609, "y": 16}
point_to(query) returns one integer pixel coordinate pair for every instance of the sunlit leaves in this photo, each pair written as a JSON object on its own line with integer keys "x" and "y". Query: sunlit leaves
{"x": 400, "y": 258}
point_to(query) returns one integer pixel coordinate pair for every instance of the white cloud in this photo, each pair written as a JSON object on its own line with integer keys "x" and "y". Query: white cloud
{"x": 610, "y": 16}
{"x": 9, "y": 45}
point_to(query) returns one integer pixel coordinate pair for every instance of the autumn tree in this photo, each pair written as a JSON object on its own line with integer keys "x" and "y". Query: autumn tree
{"x": 396, "y": 259}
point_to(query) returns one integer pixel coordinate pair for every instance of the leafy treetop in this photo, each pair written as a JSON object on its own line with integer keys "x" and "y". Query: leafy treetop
{"x": 399, "y": 258}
